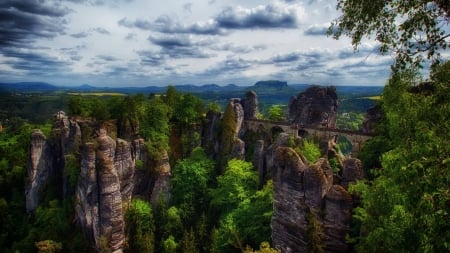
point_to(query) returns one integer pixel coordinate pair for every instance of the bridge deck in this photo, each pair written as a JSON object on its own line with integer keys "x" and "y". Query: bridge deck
{"x": 323, "y": 129}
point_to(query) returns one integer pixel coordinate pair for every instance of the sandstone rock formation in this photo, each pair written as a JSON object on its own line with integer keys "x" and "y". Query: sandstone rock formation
{"x": 352, "y": 171}
{"x": 161, "y": 186}
{"x": 372, "y": 117}
{"x": 238, "y": 113}
{"x": 87, "y": 195}
{"x": 39, "y": 168}
{"x": 307, "y": 203}
{"x": 250, "y": 105}
{"x": 107, "y": 175}
{"x": 316, "y": 106}
{"x": 238, "y": 149}
{"x": 210, "y": 138}
{"x": 110, "y": 201}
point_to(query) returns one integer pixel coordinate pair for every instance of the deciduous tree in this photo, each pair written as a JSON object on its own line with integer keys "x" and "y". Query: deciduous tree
{"x": 411, "y": 29}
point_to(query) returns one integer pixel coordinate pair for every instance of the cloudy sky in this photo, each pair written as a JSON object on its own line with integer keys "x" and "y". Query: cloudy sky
{"x": 154, "y": 42}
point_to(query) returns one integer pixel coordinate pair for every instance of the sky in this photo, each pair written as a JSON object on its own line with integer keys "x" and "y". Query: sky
{"x": 156, "y": 43}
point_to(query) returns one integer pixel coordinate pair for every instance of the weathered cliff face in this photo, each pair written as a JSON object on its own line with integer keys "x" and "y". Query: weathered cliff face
{"x": 250, "y": 105}
{"x": 308, "y": 203}
{"x": 106, "y": 184}
{"x": 39, "y": 168}
{"x": 372, "y": 118}
{"x": 124, "y": 162}
{"x": 210, "y": 137}
{"x": 107, "y": 180}
{"x": 110, "y": 202}
{"x": 87, "y": 195}
{"x": 161, "y": 186}
{"x": 316, "y": 106}
{"x": 238, "y": 113}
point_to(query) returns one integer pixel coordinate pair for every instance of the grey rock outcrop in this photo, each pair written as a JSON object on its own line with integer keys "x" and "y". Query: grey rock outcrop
{"x": 238, "y": 113}
{"x": 238, "y": 149}
{"x": 372, "y": 118}
{"x": 86, "y": 195}
{"x": 110, "y": 202}
{"x": 316, "y": 106}
{"x": 304, "y": 195}
{"x": 161, "y": 187}
{"x": 210, "y": 138}
{"x": 39, "y": 168}
{"x": 124, "y": 163}
{"x": 258, "y": 160}
{"x": 336, "y": 219}
{"x": 352, "y": 171}
{"x": 250, "y": 105}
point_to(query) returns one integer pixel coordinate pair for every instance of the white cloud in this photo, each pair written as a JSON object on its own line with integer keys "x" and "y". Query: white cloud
{"x": 144, "y": 42}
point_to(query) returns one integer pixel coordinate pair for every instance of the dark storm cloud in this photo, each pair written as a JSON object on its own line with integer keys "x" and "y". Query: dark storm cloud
{"x": 34, "y": 63}
{"x": 227, "y": 67}
{"x": 73, "y": 53}
{"x": 106, "y": 58}
{"x": 130, "y": 36}
{"x": 80, "y": 35}
{"x": 286, "y": 58}
{"x": 269, "y": 16}
{"x": 230, "y": 47}
{"x": 151, "y": 58}
{"x": 261, "y": 17}
{"x": 98, "y": 2}
{"x": 101, "y": 31}
{"x": 316, "y": 30}
{"x": 88, "y": 33}
{"x": 168, "y": 25}
{"x": 181, "y": 46}
{"x": 23, "y": 22}
{"x": 138, "y": 23}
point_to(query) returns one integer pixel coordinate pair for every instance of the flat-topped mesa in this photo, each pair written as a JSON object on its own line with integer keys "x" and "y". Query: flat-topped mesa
{"x": 316, "y": 107}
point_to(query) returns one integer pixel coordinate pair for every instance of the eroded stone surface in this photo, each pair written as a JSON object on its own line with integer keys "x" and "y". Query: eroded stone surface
{"x": 316, "y": 106}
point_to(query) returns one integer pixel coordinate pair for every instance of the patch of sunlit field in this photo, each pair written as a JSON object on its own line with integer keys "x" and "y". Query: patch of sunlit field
{"x": 97, "y": 94}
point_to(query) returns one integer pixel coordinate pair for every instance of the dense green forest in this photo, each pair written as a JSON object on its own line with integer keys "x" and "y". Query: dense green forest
{"x": 220, "y": 206}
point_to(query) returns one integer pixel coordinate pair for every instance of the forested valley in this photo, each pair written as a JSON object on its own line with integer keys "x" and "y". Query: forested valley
{"x": 191, "y": 196}
{"x": 271, "y": 169}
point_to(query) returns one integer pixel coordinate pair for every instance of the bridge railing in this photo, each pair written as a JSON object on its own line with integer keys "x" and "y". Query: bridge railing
{"x": 323, "y": 129}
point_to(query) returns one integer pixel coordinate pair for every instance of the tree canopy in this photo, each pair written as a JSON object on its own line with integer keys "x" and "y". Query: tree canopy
{"x": 411, "y": 29}
{"x": 406, "y": 207}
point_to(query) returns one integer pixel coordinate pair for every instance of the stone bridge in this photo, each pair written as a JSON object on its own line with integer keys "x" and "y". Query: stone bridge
{"x": 356, "y": 138}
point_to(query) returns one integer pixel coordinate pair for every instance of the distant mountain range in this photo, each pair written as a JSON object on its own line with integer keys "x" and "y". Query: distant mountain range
{"x": 260, "y": 87}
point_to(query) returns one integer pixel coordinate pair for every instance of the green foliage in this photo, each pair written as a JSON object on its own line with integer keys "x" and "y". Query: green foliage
{"x": 228, "y": 129}
{"x": 48, "y": 246}
{"x": 237, "y": 184}
{"x": 310, "y": 150}
{"x": 188, "y": 109}
{"x": 409, "y": 28}
{"x": 335, "y": 165}
{"x": 315, "y": 233}
{"x": 264, "y": 247}
{"x": 276, "y": 113}
{"x": 188, "y": 242}
{"x": 190, "y": 182}
{"x": 350, "y": 120}
{"x": 170, "y": 245}
{"x": 140, "y": 227}
{"x": 405, "y": 208}
{"x": 72, "y": 170}
{"x": 246, "y": 211}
